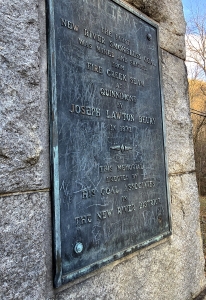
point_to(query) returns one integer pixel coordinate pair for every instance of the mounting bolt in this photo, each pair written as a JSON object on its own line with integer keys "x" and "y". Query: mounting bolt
{"x": 149, "y": 37}
{"x": 78, "y": 248}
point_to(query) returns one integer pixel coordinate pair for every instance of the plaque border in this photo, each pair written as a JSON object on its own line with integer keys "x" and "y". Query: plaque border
{"x": 60, "y": 279}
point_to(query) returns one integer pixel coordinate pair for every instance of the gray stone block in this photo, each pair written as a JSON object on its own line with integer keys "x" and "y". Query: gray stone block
{"x": 177, "y": 115}
{"x": 168, "y": 270}
{"x": 24, "y": 151}
{"x": 169, "y": 15}
{"x": 26, "y": 250}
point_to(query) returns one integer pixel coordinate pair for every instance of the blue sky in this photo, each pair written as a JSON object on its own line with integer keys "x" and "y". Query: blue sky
{"x": 192, "y": 5}
{"x": 198, "y": 8}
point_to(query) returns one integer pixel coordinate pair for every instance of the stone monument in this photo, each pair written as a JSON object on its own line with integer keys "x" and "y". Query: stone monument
{"x": 98, "y": 189}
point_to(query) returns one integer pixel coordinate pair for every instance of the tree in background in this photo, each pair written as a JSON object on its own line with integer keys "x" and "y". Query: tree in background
{"x": 197, "y": 92}
{"x": 196, "y": 44}
{"x": 196, "y": 63}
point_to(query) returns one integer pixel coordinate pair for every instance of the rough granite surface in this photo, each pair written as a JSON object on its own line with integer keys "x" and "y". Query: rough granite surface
{"x": 169, "y": 15}
{"x": 24, "y": 114}
{"x": 177, "y": 115}
{"x": 25, "y": 252}
{"x": 172, "y": 269}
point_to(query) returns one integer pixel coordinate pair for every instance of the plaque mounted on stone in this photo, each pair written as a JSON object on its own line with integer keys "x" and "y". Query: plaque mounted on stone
{"x": 109, "y": 174}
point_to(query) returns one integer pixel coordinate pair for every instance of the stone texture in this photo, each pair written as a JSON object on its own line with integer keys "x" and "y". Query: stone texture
{"x": 169, "y": 15}
{"x": 177, "y": 115}
{"x": 24, "y": 116}
{"x": 171, "y": 270}
{"x": 25, "y": 253}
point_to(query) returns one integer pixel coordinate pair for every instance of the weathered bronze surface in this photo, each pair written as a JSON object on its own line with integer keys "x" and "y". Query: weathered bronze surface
{"x": 110, "y": 194}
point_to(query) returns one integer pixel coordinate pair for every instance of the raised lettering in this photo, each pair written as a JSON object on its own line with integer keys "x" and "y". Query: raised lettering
{"x": 107, "y": 31}
{"x": 125, "y": 209}
{"x": 106, "y": 168}
{"x": 125, "y": 128}
{"x": 122, "y": 58}
{"x": 122, "y": 39}
{"x": 85, "y": 110}
{"x": 125, "y": 50}
{"x": 120, "y": 116}
{"x": 117, "y": 95}
{"x": 147, "y": 203}
{"x": 139, "y": 185}
{"x": 69, "y": 25}
{"x": 136, "y": 64}
{"x": 83, "y": 220}
{"x": 124, "y": 198}
{"x": 109, "y": 190}
{"x": 94, "y": 36}
{"x": 129, "y": 167}
{"x": 113, "y": 127}
{"x": 94, "y": 68}
{"x": 116, "y": 178}
{"x": 136, "y": 81}
{"x": 88, "y": 193}
{"x": 147, "y": 120}
{"x": 84, "y": 43}
{"x": 104, "y": 51}
{"x": 104, "y": 214}
{"x": 117, "y": 66}
{"x": 149, "y": 61}
{"x": 116, "y": 75}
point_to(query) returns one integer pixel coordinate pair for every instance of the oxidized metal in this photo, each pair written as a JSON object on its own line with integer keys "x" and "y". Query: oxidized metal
{"x": 110, "y": 194}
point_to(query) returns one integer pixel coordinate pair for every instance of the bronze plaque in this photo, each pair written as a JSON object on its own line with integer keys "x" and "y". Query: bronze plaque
{"x": 109, "y": 176}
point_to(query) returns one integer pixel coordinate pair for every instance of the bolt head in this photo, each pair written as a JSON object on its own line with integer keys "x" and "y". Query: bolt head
{"x": 149, "y": 37}
{"x": 78, "y": 248}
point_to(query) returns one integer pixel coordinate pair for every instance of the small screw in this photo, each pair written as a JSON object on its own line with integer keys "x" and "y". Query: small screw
{"x": 78, "y": 248}
{"x": 149, "y": 37}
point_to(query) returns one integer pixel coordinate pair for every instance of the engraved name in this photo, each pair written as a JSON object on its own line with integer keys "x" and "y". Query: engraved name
{"x": 109, "y": 190}
{"x": 116, "y": 75}
{"x": 94, "y": 68}
{"x": 117, "y": 95}
{"x": 124, "y": 50}
{"x": 94, "y": 36}
{"x": 104, "y": 214}
{"x": 125, "y": 209}
{"x": 69, "y": 25}
{"x": 139, "y": 185}
{"x": 147, "y": 120}
{"x": 85, "y": 110}
{"x": 119, "y": 116}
